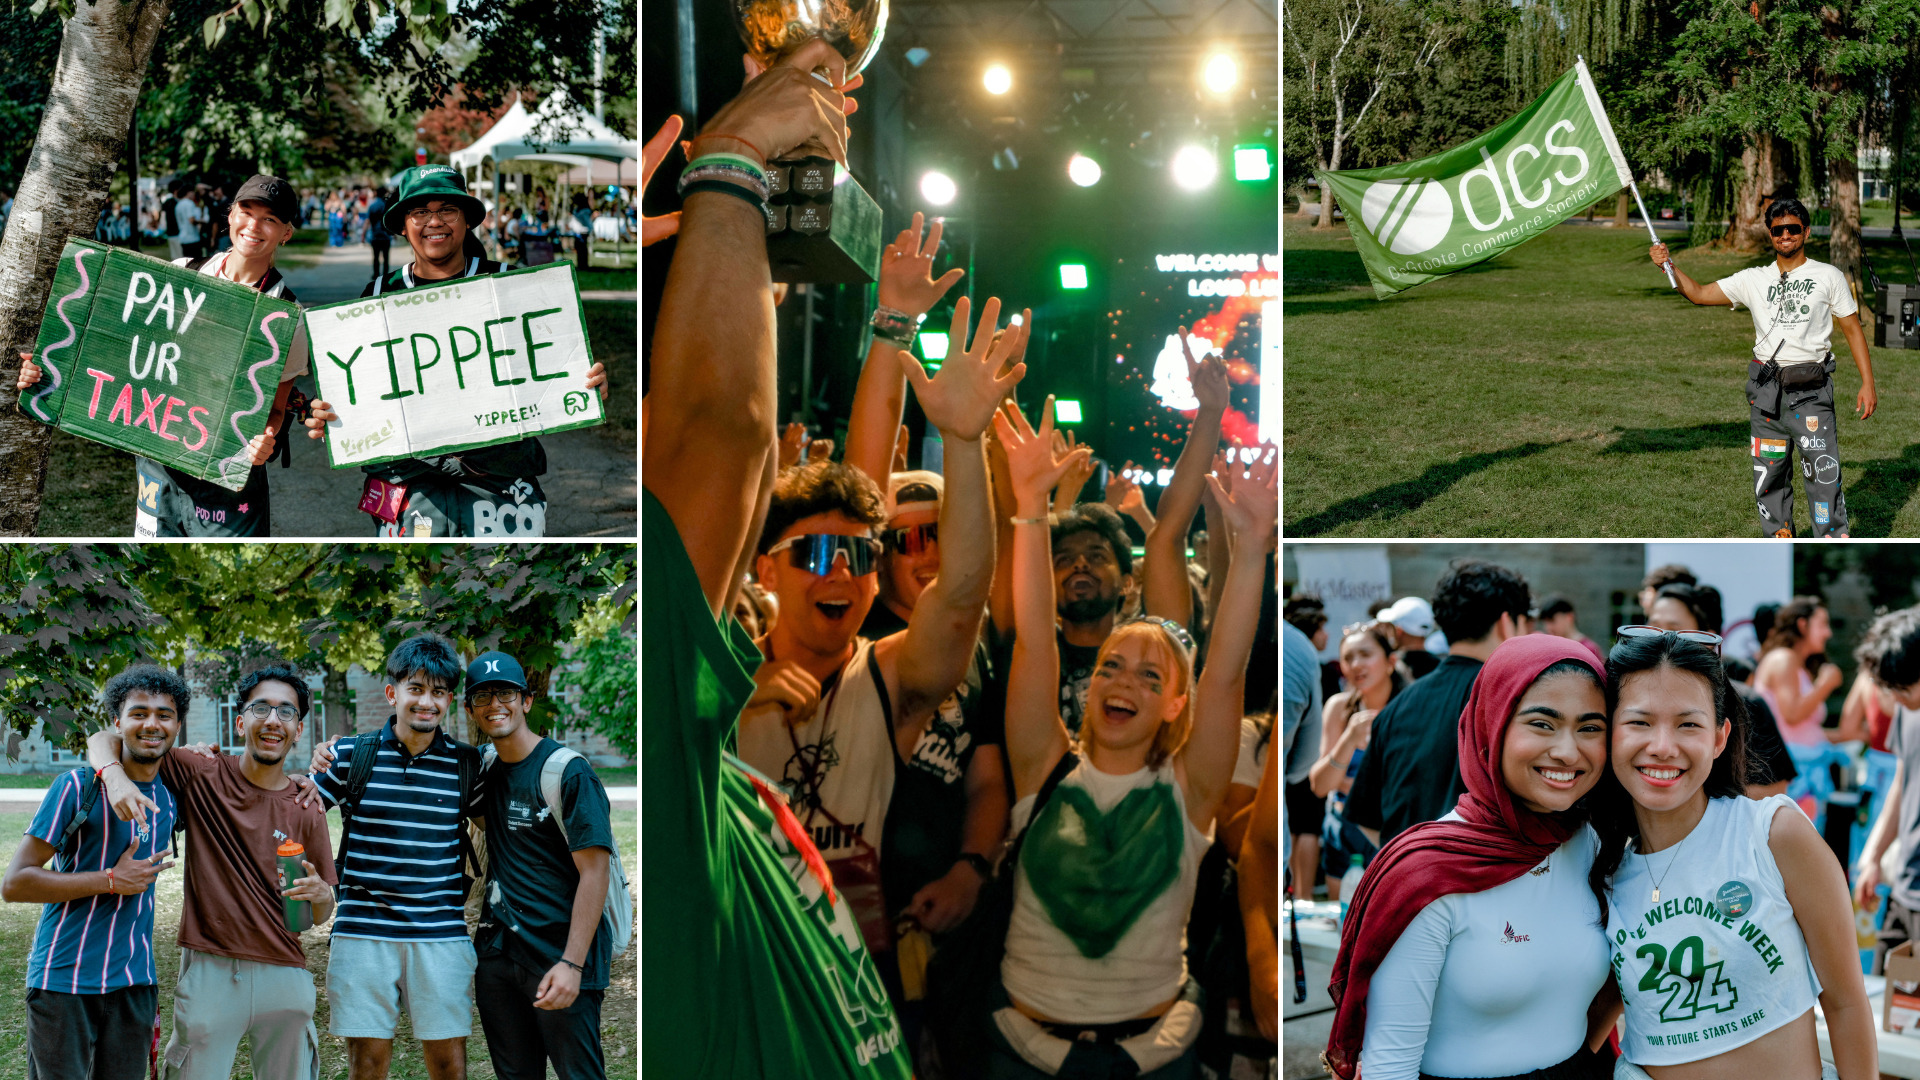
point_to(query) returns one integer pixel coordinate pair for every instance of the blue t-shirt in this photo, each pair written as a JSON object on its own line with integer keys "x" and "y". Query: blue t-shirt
{"x": 99, "y": 943}
{"x": 1300, "y": 691}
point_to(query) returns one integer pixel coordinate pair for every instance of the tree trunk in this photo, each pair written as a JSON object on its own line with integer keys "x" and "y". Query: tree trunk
{"x": 333, "y": 690}
{"x": 1306, "y": 208}
{"x": 104, "y": 50}
{"x": 1748, "y": 233}
{"x": 1843, "y": 180}
{"x": 1620, "y": 204}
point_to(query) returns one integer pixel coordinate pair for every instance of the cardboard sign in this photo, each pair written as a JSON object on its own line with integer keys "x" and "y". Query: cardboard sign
{"x": 1900, "y": 1012}
{"x": 451, "y": 366}
{"x": 177, "y": 366}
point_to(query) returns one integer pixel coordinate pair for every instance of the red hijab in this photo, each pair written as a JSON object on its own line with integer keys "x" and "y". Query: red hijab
{"x": 1499, "y": 840}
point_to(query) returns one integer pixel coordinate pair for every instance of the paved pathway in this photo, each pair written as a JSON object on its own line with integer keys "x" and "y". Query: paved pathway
{"x": 590, "y": 479}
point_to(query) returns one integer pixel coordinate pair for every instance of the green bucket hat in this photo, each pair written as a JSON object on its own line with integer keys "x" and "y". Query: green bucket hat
{"x": 424, "y": 182}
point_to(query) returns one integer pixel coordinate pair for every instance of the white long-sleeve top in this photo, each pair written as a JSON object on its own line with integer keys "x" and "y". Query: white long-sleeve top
{"x": 1494, "y": 983}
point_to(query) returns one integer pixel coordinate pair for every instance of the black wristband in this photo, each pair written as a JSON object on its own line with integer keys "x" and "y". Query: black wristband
{"x": 734, "y": 190}
{"x": 979, "y": 863}
{"x": 573, "y": 965}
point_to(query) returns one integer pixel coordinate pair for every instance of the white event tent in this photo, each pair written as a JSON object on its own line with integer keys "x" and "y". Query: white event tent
{"x": 555, "y": 131}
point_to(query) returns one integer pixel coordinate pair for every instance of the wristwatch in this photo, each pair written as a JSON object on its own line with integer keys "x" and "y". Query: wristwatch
{"x": 979, "y": 863}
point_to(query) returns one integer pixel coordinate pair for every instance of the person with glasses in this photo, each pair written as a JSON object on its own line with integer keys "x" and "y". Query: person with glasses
{"x": 835, "y": 716}
{"x": 1727, "y": 917}
{"x": 1114, "y": 821}
{"x": 489, "y": 491}
{"x": 1797, "y": 304}
{"x": 400, "y": 943}
{"x": 242, "y": 971}
{"x": 1471, "y": 947}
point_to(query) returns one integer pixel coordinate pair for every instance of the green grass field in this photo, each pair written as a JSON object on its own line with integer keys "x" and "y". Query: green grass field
{"x": 618, "y": 1017}
{"x": 1561, "y": 389}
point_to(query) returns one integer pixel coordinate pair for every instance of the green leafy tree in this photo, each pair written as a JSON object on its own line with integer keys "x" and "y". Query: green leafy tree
{"x": 69, "y": 620}
{"x": 608, "y": 683}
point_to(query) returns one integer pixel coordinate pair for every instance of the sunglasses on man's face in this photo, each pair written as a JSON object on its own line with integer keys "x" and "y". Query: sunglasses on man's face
{"x": 1788, "y": 230}
{"x": 912, "y": 539}
{"x": 817, "y": 552}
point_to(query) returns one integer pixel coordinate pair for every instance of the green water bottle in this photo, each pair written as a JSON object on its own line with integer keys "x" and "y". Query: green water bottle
{"x": 1356, "y": 866}
{"x": 298, "y": 914}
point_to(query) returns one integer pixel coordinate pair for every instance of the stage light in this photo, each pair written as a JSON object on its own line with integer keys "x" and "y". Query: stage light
{"x": 1164, "y": 477}
{"x": 1073, "y": 275}
{"x": 933, "y": 344}
{"x": 937, "y": 188}
{"x": 1083, "y": 170}
{"x": 1066, "y": 411}
{"x": 1221, "y": 73}
{"x": 917, "y": 56}
{"x": 998, "y": 79}
{"x": 1194, "y": 168}
{"x": 1250, "y": 164}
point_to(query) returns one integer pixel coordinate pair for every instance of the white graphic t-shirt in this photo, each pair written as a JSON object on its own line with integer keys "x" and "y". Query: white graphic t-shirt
{"x": 1792, "y": 312}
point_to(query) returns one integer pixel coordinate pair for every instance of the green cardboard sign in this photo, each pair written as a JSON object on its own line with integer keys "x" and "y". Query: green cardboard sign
{"x": 453, "y": 365}
{"x": 174, "y": 365}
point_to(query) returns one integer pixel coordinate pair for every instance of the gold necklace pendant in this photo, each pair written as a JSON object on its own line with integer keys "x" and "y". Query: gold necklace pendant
{"x": 1656, "y": 895}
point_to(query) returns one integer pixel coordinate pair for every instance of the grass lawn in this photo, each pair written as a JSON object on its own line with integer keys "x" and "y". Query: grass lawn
{"x": 627, "y": 777}
{"x": 1561, "y": 389}
{"x": 619, "y": 1011}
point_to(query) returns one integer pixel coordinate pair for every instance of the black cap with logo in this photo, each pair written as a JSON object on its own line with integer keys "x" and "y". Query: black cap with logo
{"x": 275, "y": 192}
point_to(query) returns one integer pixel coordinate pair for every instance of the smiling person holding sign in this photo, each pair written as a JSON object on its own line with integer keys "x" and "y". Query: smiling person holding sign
{"x": 170, "y": 501}
{"x": 491, "y": 490}
{"x": 1797, "y": 304}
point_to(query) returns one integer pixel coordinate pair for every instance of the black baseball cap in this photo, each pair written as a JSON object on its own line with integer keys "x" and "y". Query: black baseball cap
{"x": 495, "y": 667}
{"x": 275, "y": 192}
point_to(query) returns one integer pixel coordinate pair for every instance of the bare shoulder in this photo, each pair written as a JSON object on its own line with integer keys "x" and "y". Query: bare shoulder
{"x": 1794, "y": 841}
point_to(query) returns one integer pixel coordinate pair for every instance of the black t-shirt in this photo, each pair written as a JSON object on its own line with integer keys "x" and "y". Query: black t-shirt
{"x": 532, "y": 861}
{"x": 1411, "y": 771}
{"x": 1420, "y": 662}
{"x": 927, "y": 816}
{"x": 1076, "y": 671}
{"x": 510, "y": 461}
{"x": 1766, "y": 751}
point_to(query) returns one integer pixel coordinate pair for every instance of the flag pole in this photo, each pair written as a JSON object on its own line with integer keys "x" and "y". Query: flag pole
{"x": 1645, "y": 218}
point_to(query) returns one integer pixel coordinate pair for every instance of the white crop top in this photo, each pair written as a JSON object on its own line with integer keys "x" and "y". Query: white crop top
{"x": 1493, "y": 983}
{"x": 1720, "y": 960}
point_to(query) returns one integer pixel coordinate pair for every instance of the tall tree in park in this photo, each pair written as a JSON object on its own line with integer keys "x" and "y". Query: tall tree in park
{"x": 71, "y": 617}
{"x": 1341, "y": 57}
{"x": 414, "y": 50}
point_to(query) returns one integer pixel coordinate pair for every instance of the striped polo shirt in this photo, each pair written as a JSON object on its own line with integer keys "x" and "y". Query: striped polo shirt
{"x": 401, "y": 879}
{"x": 104, "y": 942}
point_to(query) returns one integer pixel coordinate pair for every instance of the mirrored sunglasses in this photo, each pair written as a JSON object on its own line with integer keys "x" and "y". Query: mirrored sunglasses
{"x": 1698, "y": 637}
{"x": 816, "y": 552}
{"x": 912, "y": 539}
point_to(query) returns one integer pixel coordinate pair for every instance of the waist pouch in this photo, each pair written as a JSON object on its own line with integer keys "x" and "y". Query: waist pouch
{"x": 1103, "y": 1051}
{"x": 1806, "y": 376}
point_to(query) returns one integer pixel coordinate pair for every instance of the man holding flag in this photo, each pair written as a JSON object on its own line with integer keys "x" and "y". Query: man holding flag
{"x": 1796, "y": 304}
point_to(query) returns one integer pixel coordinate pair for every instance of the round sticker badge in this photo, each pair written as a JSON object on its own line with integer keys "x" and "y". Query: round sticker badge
{"x": 1734, "y": 899}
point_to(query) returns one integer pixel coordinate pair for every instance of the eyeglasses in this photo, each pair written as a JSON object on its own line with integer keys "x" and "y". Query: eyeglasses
{"x": 1698, "y": 637}
{"x": 1174, "y": 629}
{"x": 913, "y": 539}
{"x": 484, "y": 698}
{"x": 260, "y": 710}
{"x": 1788, "y": 230}
{"x": 816, "y": 552}
{"x": 419, "y": 215}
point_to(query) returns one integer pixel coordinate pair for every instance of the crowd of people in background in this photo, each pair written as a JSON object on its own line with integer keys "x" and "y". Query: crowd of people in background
{"x": 944, "y": 777}
{"x": 1412, "y": 800}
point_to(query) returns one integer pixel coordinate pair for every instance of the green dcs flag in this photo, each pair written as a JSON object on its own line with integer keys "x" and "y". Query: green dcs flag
{"x": 1424, "y": 219}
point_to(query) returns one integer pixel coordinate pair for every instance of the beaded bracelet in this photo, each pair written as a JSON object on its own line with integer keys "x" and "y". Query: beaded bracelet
{"x": 740, "y": 160}
{"x": 725, "y": 172}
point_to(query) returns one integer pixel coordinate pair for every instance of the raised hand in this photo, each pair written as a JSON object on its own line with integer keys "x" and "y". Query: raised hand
{"x": 1079, "y": 470}
{"x": 906, "y": 271}
{"x": 819, "y": 449}
{"x": 1208, "y": 376}
{"x": 962, "y": 398}
{"x": 1122, "y": 493}
{"x": 792, "y": 440}
{"x": 1251, "y": 503}
{"x": 658, "y": 228}
{"x": 784, "y": 106}
{"x": 1032, "y": 463}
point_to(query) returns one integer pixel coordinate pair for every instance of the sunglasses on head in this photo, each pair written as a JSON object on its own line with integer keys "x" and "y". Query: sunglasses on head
{"x": 1788, "y": 230}
{"x": 816, "y": 552}
{"x": 1173, "y": 629}
{"x": 1698, "y": 637}
{"x": 912, "y": 539}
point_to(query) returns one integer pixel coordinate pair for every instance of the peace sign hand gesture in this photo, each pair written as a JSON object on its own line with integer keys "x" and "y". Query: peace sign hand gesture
{"x": 961, "y": 399}
{"x": 1208, "y": 376}
{"x": 906, "y": 271}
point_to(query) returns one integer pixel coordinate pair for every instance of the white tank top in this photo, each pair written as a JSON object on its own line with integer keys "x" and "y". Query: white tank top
{"x": 1101, "y": 896}
{"x": 847, "y": 747}
{"x": 1720, "y": 960}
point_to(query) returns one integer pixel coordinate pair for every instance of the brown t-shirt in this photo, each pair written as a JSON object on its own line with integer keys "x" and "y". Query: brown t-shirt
{"x": 233, "y": 903}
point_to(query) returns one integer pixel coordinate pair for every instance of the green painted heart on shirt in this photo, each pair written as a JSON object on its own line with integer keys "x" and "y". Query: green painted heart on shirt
{"x": 1095, "y": 873}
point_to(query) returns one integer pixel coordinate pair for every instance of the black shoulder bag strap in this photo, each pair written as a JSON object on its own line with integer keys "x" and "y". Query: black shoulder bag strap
{"x": 359, "y": 775}
{"x": 469, "y": 762}
{"x": 69, "y": 839}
